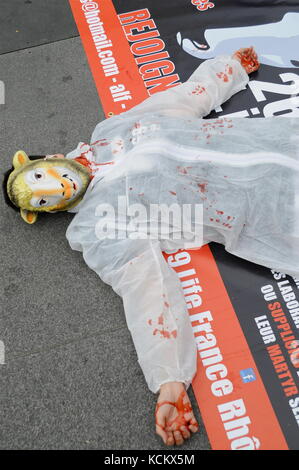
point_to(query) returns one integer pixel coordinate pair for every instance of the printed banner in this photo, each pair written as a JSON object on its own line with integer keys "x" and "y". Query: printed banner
{"x": 245, "y": 317}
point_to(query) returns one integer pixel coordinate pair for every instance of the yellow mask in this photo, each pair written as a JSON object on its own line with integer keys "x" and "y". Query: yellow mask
{"x": 45, "y": 185}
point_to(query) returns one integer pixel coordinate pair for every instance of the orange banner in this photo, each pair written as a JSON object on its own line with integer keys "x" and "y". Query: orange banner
{"x": 232, "y": 398}
{"x": 109, "y": 56}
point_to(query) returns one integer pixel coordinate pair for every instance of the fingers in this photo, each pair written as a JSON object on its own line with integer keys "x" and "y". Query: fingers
{"x": 163, "y": 434}
{"x": 193, "y": 427}
{"x": 170, "y": 439}
{"x": 192, "y": 423}
{"x": 251, "y": 63}
{"x": 185, "y": 432}
{"x": 178, "y": 438}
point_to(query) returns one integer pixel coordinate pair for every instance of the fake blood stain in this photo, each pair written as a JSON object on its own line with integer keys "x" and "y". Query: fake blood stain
{"x": 91, "y": 165}
{"x": 160, "y": 326}
{"x": 198, "y": 90}
{"x": 181, "y": 408}
{"x": 224, "y": 75}
{"x": 83, "y": 160}
{"x": 202, "y": 187}
{"x": 101, "y": 143}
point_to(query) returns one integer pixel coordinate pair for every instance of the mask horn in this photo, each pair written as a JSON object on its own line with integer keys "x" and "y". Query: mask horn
{"x": 20, "y": 159}
{"x": 28, "y": 216}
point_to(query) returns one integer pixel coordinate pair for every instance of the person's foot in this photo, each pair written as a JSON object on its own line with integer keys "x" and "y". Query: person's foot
{"x": 247, "y": 58}
{"x": 175, "y": 421}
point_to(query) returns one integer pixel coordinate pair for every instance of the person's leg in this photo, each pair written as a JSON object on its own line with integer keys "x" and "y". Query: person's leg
{"x": 231, "y": 135}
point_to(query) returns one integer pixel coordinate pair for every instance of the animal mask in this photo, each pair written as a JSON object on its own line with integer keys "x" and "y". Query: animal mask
{"x": 45, "y": 185}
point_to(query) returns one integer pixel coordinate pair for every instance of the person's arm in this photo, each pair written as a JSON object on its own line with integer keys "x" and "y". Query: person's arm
{"x": 212, "y": 83}
{"x": 154, "y": 304}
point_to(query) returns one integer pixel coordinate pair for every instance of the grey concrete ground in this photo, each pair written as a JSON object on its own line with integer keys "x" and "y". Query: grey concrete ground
{"x": 71, "y": 378}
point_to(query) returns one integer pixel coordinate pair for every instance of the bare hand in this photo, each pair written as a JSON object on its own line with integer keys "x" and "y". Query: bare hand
{"x": 175, "y": 421}
{"x": 247, "y": 58}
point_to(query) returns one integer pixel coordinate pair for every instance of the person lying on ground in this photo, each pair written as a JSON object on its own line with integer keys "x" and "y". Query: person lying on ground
{"x": 241, "y": 175}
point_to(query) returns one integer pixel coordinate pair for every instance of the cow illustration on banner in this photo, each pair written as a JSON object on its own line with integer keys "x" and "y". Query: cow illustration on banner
{"x": 275, "y": 43}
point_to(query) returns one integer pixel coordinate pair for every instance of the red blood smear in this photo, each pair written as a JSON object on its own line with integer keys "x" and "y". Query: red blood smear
{"x": 83, "y": 160}
{"x": 163, "y": 333}
{"x": 202, "y": 187}
{"x": 181, "y": 407}
{"x": 222, "y": 76}
{"x": 182, "y": 170}
{"x": 247, "y": 60}
{"x": 101, "y": 142}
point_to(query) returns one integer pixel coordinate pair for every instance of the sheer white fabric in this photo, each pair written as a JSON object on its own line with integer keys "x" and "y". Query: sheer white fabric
{"x": 243, "y": 172}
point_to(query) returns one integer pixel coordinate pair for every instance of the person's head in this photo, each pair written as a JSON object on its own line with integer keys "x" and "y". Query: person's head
{"x": 37, "y": 184}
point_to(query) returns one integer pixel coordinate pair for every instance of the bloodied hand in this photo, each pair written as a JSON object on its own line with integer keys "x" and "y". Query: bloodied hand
{"x": 175, "y": 421}
{"x": 247, "y": 58}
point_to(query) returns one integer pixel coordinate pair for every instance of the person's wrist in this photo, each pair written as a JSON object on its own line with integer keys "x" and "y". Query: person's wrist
{"x": 168, "y": 385}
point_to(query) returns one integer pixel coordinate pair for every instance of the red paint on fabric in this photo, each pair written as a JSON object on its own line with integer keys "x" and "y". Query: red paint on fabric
{"x": 198, "y": 90}
{"x": 83, "y": 161}
{"x": 202, "y": 187}
{"x": 182, "y": 170}
{"x": 229, "y": 69}
{"x": 89, "y": 164}
{"x": 165, "y": 333}
{"x": 101, "y": 142}
{"x": 222, "y": 76}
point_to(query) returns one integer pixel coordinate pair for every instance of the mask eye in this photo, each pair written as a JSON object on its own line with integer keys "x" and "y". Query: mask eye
{"x": 38, "y": 175}
{"x": 42, "y": 202}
